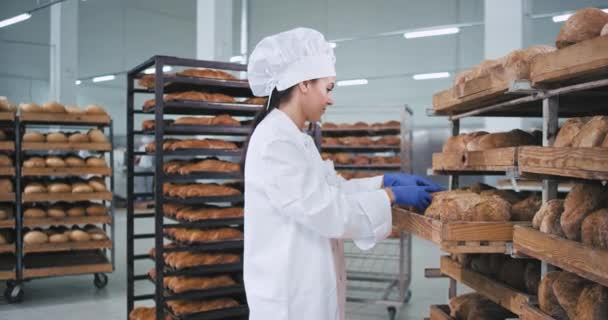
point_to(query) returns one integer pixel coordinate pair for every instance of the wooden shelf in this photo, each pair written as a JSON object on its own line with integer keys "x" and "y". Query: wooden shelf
{"x": 68, "y": 197}
{"x": 585, "y": 59}
{"x": 7, "y": 275}
{"x": 39, "y": 265}
{"x": 569, "y": 255}
{"x": 67, "y": 246}
{"x": 67, "y": 171}
{"x": 440, "y": 312}
{"x": 498, "y": 292}
{"x": 65, "y": 118}
{"x": 65, "y": 146}
{"x": 532, "y": 312}
{"x": 7, "y": 145}
{"x": 4, "y": 248}
{"x": 29, "y": 222}
{"x": 7, "y": 171}
{"x": 584, "y": 163}
{"x": 457, "y": 237}
{"x": 7, "y": 116}
{"x": 7, "y": 197}
{"x": 7, "y": 223}
{"x": 496, "y": 160}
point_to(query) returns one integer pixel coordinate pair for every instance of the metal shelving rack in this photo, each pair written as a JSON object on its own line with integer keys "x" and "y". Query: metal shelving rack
{"x": 8, "y": 258}
{"x": 381, "y": 275}
{"x": 165, "y": 83}
{"x": 55, "y": 261}
{"x": 577, "y": 97}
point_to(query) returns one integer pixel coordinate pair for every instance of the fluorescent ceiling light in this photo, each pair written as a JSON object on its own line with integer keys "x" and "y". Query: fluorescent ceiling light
{"x": 333, "y": 44}
{"x": 236, "y": 59}
{"x": 431, "y": 33}
{"x": 78, "y": 82}
{"x": 435, "y": 75}
{"x": 355, "y": 82}
{"x": 15, "y": 19}
{"x": 104, "y": 78}
{"x": 566, "y": 16}
{"x": 152, "y": 70}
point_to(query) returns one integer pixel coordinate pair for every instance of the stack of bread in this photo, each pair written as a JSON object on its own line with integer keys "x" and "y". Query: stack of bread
{"x": 582, "y": 216}
{"x": 93, "y": 135}
{"x": 482, "y": 203}
{"x": 359, "y": 174}
{"x": 585, "y": 132}
{"x": 185, "y": 167}
{"x": 361, "y": 141}
{"x": 61, "y": 210}
{"x": 481, "y": 140}
{"x": 564, "y": 296}
{"x": 194, "y": 190}
{"x": 201, "y": 213}
{"x": 62, "y": 234}
{"x": 177, "y": 144}
{"x": 145, "y": 313}
{"x": 58, "y": 108}
{"x": 65, "y": 161}
{"x": 191, "y": 236}
{"x": 220, "y": 120}
{"x": 180, "y": 260}
{"x": 94, "y": 184}
{"x": 342, "y": 158}
{"x": 148, "y": 80}
{"x": 362, "y": 125}
{"x": 474, "y": 306}
{"x": 181, "y": 284}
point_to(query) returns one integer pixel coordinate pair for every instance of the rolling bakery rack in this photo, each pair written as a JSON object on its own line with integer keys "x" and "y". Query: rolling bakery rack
{"x": 9, "y": 264}
{"x": 566, "y": 83}
{"x": 161, "y": 112}
{"x": 70, "y": 258}
{"x": 381, "y": 275}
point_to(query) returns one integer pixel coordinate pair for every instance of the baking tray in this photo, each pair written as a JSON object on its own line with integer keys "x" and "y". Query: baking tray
{"x": 224, "y": 314}
{"x": 199, "y": 152}
{"x": 206, "y": 246}
{"x": 178, "y": 83}
{"x": 206, "y": 270}
{"x": 395, "y": 167}
{"x": 64, "y": 118}
{"x": 201, "y": 200}
{"x": 362, "y": 149}
{"x": 337, "y": 132}
{"x": 203, "y": 175}
{"x": 190, "y": 130}
{"x": 207, "y": 223}
{"x": 194, "y": 107}
{"x": 202, "y": 294}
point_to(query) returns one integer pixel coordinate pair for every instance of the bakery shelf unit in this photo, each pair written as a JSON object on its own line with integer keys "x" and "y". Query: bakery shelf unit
{"x": 69, "y": 258}
{"x": 381, "y": 275}
{"x": 8, "y": 200}
{"x": 569, "y": 82}
{"x": 163, "y": 113}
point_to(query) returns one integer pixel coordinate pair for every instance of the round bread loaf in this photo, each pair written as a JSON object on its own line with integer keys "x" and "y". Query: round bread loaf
{"x": 76, "y": 212}
{"x": 97, "y": 184}
{"x": 79, "y": 236}
{"x": 56, "y": 137}
{"x": 59, "y": 187}
{"x": 98, "y": 236}
{"x": 6, "y": 185}
{"x": 97, "y": 209}
{"x": 30, "y": 107}
{"x": 34, "y": 162}
{"x": 547, "y": 300}
{"x": 5, "y": 213}
{"x": 54, "y": 162}
{"x": 34, "y": 213}
{"x": 94, "y": 109}
{"x": 35, "y": 237}
{"x": 81, "y": 187}
{"x": 35, "y": 187}
{"x": 56, "y": 212}
{"x": 78, "y": 138}
{"x": 5, "y": 161}
{"x": 74, "y": 162}
{"x": 53, "y": 107}
{"x": 58, "y": 238}
{"x": 33, "y": 137}
{"x": 74, "y": 110}
{"x": 96, "y": 135}
{"x": 96, "y": 162}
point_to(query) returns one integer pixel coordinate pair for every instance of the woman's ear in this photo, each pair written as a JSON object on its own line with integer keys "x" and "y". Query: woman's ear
{"x": 304, "y": 86}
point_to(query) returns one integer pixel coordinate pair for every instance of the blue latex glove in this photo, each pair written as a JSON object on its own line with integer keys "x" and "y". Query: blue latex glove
{"x": 417, "y": 196}
{"x": 402, "y": 179}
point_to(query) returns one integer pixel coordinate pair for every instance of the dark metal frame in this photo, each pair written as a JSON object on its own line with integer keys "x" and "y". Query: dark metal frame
{"x": 166, "y": 84}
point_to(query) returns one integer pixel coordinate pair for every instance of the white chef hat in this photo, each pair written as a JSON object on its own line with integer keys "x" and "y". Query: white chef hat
{"x": 288, "y": 58}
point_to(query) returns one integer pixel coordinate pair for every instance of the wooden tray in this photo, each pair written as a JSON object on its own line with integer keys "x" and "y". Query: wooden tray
{"x": 68, "y": 197}
{"x": 7, "y": 197}
{"x": 585, "y": 163}
{"x": 29, "y": 222}
{"x": 64, "y": 118}
{"x": 496, "y": 291}
{"x": 7, "y": 248}
{"x": 532, "y": 312}
{"x": 7, "y": 116}
{"x": 440, "y": 312}
{"x": 7, "y": 145}
{"x": 65, "y": 146}
{"x": 584, "y": 59}
{"x": 495, "y": 160}
{"x": 7, "y": 171}
{"x": 457, "y": 237}
{"x": 38, "y": 265}
{"x": 67, "y": 246}
{"x": 569, "y": 255}
{"x": 55, "y": 172}
{"x": 7, "y": 223}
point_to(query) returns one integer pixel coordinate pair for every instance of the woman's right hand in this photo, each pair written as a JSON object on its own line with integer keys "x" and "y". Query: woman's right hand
{"x": 417, "y": 196}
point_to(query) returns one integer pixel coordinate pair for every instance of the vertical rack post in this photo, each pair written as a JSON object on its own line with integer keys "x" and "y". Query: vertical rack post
{"x": 112, "y": 204}
{"x": 550, "y": 127}
{"x": 130, "y": 201}
{"x": 18, "y": 205}
{"x": 453, "y": 182}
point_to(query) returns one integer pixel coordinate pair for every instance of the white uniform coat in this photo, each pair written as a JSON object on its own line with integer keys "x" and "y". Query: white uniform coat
{"x": 295, "y": 204}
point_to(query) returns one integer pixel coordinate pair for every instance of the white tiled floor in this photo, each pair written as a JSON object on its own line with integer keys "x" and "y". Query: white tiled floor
{"x": 75, "y": 298}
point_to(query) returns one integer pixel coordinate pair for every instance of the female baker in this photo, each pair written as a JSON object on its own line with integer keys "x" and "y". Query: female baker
{"x": 296, "y": 207}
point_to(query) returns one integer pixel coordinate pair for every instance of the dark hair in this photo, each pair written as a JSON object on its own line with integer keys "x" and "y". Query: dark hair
{"x": 275, "y": 100}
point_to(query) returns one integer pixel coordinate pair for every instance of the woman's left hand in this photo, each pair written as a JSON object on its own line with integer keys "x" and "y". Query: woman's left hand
{"x": 402, "y": 180}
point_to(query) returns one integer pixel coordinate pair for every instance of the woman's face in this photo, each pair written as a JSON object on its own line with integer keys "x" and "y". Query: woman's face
{"x": 317, "y": 97}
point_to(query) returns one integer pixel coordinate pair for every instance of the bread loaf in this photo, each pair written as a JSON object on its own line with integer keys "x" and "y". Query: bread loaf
{"x": 79, "y": 236}
{"x": 58, "y": 238}
{"x": 97, "y": 162}
{"x": 490, "y": 208}
{"x": 452, "y": 205}
{"x": 458, "y": 143}
{"x": 592, "y": 134}
{"x": 547, "y": 300}
{"x": 34, "y": 213}
{"x": 59, "y": 187}
{"x": 517, "y": 63}
{"x": 53, "y": 107}
{"x": 73, "y": 110}
{"x": 34, "y": 187}
{"x": 30, "y": 107}
{"x": 96, "y": 135}
{"x": 74, "y": 162}
{"x": 512, "y": 138}
{"x": 96, "y": 209}
{"x": 460, "y": 305}
{"x": 98, "y": 184}
{"x": 567, "y": 288}
{"x": 551, "y": 223}
{"x": 551, "y": 205}
{"x": 585, "y": 24}
{"x": 94, "y": 109}
{"x": 33, "y": 137}
{"x": 5, "y": 212}
{"x": 98, "y": 236}
{"x": 54, "y": 162}
{"x": 81, "y": 187}
{"x": 508, "y": 195}
{"x": 592, "y": 303}
{"x": 56, "y": 137}
{"x": 594, "y": 231}
{"x": 76, "y": 211}
{"x": 568, "y": 131}
{"x": 6, "y": 186}
{"x": 34, "y": 162}
{"x": 56, "y": 212}
{"x": 524, "y": 210}
{"x": 78, "y": 138}
{"x": 35, "y": 237}
{"x": 5, "y": 161}
{"x": 580, "y": 202}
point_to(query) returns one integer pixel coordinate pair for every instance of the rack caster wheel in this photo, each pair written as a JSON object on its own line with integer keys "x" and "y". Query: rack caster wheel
{"x": 13, "y": 292}
{"x": 408, "y": 296}
{"x": 100, "y": 280}
{"x": 392, "y": 313}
